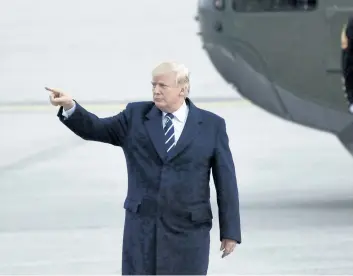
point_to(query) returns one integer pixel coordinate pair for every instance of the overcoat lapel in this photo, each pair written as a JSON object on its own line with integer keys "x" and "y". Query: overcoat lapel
{"x": 154, "y": 128}
{"x": 190, "y": 131}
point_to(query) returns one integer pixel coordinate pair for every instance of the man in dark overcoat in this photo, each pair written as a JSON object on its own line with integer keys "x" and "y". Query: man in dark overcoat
{"x": 170, "y": 146}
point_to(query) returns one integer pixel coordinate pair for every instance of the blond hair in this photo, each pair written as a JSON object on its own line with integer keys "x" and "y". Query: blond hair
{"x": 182, "y": 73}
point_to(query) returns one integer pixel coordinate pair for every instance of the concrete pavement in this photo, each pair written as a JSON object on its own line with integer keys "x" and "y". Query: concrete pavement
{"x": 62, "y": 198}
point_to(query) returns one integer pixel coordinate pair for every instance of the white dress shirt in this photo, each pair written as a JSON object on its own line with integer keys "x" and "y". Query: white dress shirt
{"x": 67, "y": 113}
{"x": 179, "y": 119}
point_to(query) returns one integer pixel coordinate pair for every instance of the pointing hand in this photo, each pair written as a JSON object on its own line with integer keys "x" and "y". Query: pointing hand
{"x": 60, "y": 98}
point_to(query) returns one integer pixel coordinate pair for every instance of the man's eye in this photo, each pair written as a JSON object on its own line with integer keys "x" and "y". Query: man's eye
{"x": 160, "y": 85}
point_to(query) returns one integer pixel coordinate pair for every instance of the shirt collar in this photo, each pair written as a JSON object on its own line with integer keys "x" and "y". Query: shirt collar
{"x": 181, "y": 113}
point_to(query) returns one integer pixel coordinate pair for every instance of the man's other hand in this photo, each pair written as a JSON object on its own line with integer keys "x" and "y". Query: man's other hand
{"x": 227, "y": 246}
{"x": 58, "y": 97}
{"x": 344, "y": 39}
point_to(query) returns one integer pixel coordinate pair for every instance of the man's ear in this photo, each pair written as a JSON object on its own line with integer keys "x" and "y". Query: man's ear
{"x": 182, "y": 92}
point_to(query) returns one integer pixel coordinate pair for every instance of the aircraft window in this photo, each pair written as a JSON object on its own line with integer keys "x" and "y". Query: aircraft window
{"x": 273, "y": 5}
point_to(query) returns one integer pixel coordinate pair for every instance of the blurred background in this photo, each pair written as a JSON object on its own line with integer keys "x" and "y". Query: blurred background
{"x": 97, "y": 51}
{"x": 62, "y": 197}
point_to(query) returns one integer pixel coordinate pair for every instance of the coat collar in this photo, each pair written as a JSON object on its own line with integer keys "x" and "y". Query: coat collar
{"x": 181, "y": 114}
{"x": 155, "y": 130}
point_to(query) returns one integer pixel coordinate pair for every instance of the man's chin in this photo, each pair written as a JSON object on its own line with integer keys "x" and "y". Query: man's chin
{"x": 159, "y": 103}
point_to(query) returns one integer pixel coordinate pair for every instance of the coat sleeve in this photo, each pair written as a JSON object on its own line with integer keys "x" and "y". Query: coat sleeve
{"x": 111, "y": 130}
{"x": 225, "y": 181}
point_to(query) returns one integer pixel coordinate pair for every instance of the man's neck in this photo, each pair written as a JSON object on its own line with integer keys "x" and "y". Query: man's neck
{"x": 172, "y": 110}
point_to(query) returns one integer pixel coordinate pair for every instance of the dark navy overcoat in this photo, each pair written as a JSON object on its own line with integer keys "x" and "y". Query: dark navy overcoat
{"x": 168, "y": 212}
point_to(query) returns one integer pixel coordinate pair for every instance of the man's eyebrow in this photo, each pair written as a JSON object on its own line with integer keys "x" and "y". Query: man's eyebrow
{"x": 160, "y": 83}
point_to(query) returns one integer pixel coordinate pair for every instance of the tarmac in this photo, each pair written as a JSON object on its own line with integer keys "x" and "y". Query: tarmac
{"x": 62, "y": 197}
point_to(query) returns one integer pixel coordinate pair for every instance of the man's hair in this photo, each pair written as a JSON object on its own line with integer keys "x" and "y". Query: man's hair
{"x": 182, "y": 73}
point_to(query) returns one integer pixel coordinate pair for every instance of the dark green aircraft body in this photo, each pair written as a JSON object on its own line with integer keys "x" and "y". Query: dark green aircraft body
{"x": 284, "y": 56}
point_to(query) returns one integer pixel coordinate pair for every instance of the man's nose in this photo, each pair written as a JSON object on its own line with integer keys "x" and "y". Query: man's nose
{"x": 156, "y": 90}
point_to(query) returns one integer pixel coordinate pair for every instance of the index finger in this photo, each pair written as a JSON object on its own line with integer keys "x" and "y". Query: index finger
{"x": 225, "y": 254}
{"x": 51, "y": 90}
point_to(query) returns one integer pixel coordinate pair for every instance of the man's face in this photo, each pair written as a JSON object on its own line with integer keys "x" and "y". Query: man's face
{"x": 166, "y": 93}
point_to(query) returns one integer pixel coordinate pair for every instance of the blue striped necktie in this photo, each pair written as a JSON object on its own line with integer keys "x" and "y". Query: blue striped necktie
{"x": 169, "y": 132}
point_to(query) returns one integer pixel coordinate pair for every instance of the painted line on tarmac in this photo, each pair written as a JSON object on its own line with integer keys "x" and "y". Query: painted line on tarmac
{"x": 41, "y": 156}
{"x": 111, "y": 106}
